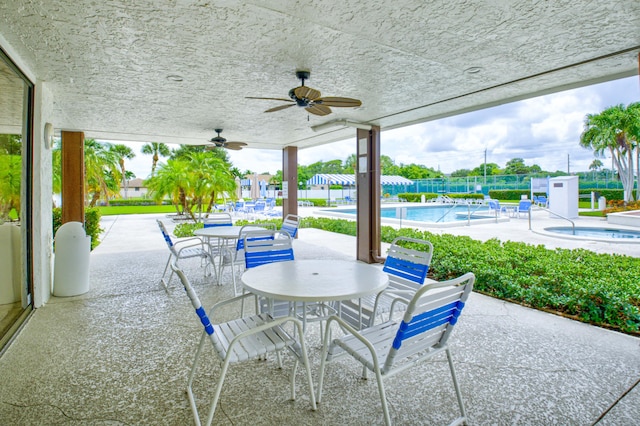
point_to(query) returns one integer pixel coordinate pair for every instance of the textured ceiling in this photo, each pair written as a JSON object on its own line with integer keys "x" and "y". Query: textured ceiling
{"x": 109, "y": 62}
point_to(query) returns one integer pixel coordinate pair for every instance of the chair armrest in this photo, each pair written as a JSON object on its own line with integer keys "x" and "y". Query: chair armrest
{"x": 188, "y": 240}
{"x": 345, "y": 327}
{"x": 230, "y": 300}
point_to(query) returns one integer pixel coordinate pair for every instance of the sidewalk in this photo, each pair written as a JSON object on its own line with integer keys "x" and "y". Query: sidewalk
{"x": 120, "y": 354}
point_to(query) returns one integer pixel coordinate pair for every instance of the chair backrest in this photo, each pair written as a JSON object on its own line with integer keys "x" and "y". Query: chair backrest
{"x": 259, "y": 206}
{"x": 195, "y": 302}
{"x": 217, "y": 219}
{"x": 262, "y": 247}
{"x": 429, "y": 318}
{"x": 290, "y": 224}
{"x": 408, "y": 266}
{"x": 524, "y": 205}
{"x": 167, "y": 237}
{"x": 247, "y": 228}
{"x": 494, "y": 205}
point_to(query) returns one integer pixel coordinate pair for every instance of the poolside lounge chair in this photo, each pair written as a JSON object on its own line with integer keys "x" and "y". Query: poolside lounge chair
{"x": 496, "y": 208}
{"x": 241, "y": 340}
{"x": 524, "y": 207}
{"x": 542, "y": 201}
{"x": 394, "y": 346}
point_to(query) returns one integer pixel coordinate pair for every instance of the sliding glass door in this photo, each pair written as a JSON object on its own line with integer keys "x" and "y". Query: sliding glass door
{"x": 16, "y": 101}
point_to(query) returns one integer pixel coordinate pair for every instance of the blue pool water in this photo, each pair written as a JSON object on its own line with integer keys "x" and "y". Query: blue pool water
{"x": 428, "y": 213}
{"x": 595, "y": 232}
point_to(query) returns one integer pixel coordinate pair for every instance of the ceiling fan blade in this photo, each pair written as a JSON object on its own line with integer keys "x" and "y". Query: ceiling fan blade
{"x": 333, "y": 101}
{"x": 304, "y": 92}
{"x": 236, "y": 146}
{"x": 278, "y": 108}
{"x": 318, "y": 109}
{"x": 270, "y": 99}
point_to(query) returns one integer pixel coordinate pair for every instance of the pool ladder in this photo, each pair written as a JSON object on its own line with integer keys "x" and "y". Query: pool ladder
{"x": 469, "y": 212}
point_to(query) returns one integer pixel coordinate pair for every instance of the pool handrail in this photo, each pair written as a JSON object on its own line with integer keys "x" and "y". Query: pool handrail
{"x": 573, "y": 225}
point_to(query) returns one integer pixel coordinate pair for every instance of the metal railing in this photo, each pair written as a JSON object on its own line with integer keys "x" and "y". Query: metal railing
{"x": 573, "y": 225}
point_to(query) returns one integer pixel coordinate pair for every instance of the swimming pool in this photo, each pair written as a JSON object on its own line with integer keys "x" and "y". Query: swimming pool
{"x": 432, "y": 215}
{"x": 596, "y": 233}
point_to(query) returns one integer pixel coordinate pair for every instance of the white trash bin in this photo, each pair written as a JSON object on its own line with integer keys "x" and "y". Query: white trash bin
{"x": 71, "y": 266}
{"x": 602, "y": 203}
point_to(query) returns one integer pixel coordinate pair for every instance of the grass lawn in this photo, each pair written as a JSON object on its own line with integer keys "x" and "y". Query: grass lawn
{"x": 116, "y": 210}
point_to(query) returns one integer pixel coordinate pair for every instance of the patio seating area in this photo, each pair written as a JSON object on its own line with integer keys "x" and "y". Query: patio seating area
{"x": 121, "y": 354}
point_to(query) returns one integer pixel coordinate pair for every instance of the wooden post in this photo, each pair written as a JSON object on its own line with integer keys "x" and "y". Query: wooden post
{"x": 289, "y": 181}
{"x": 72, "y": 177}
{"x": 368, "y": 195}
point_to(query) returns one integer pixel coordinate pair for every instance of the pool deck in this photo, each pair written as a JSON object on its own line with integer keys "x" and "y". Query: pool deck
{"x": 518, "y": 229}
{"x": 120, "y": 354}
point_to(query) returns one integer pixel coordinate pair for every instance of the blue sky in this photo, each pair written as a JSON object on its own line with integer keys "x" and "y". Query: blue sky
{"x": 543, "y": 131}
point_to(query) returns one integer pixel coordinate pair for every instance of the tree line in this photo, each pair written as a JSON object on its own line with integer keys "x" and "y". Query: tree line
{"x": 195, "y": 177}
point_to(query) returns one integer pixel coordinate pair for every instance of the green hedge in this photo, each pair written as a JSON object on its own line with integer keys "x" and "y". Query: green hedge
{"x": 599, "y": 289}
{"x": 515, "y": 194}
{"x": 136, "y": 202}
{"x": 91, "y": 224}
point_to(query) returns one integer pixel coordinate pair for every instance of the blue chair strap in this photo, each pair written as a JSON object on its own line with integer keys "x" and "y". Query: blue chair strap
{"x": 428, "y": 320}
{"x": 291, "y": 230}
{"x": 204, "y": 319}
{"x": 253, "y": 259}
{"x": 415, "y": 272}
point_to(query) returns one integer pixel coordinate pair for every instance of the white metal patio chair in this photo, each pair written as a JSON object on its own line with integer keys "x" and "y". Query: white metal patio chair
{"x": 290, "y": 224}
{"x": 407, "y": 264}
{"x": 183, "y": 249}
{"x": 241, "y": 340}
{"x": 234, "y": 255}
{"x": 217, "y": 219}
{"x": 263, "y": 247}
{"x": 394, "y": 346}
{"x": 276, "y": 246}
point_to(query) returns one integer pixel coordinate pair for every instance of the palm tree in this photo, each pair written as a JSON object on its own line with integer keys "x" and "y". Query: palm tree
{"x": 191, "y": 182}
{"x": 122, "y": 153}
{"x": 171, "y": 182}
{"x": 595, "y": 166}
{"x": 616, "y": 130}
{"x": 157, "y": 150}
{"x": 102, "y": 177}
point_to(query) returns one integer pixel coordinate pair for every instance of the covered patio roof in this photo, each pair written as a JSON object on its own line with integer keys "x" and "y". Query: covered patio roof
{"x": 173, "y": 71}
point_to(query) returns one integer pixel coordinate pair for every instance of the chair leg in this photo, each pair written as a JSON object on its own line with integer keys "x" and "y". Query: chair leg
{"x": 214, "y": 402}
{"x": 162, "y": 280}
{"x": 383, "y": 397}
{"x": 194, "y": 367}
{"x": 323, "y": 359}
{"x": 457, "y": 387}
{"x": 305, "y": 361}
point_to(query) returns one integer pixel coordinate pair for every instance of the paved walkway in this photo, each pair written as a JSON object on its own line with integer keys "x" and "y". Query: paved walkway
{"x": 120, "y": 355}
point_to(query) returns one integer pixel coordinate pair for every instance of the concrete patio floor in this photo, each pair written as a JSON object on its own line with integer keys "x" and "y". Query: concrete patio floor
{"x": 120, "y": 354}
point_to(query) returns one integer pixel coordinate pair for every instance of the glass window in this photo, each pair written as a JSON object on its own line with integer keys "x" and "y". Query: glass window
{"x": 15, "y": 193}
